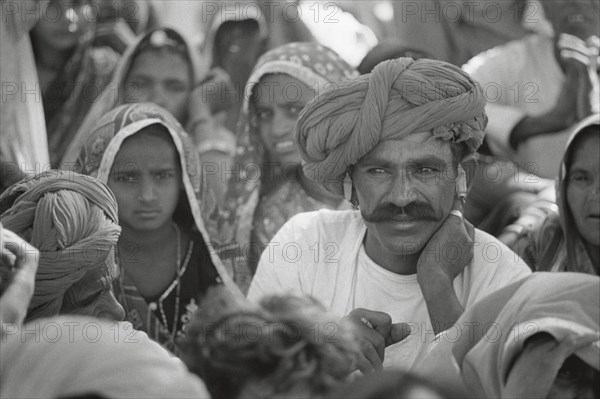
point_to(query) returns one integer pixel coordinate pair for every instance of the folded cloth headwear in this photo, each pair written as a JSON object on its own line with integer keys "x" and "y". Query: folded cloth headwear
{"x": 398, "y": 98}
{"x": 72, "y": 219}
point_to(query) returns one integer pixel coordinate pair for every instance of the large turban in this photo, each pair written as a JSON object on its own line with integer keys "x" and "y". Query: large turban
{"x": 400, "y": 97}
{"x": 72, "y": 220}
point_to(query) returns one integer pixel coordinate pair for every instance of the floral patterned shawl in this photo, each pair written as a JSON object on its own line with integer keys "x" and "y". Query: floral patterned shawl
{"x": 312, "y": 64}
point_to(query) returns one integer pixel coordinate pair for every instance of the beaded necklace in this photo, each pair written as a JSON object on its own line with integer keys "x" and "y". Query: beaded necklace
{"x": 175, "y": 285}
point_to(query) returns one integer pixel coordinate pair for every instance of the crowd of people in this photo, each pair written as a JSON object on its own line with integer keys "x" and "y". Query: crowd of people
{"x": 389, "y": 206}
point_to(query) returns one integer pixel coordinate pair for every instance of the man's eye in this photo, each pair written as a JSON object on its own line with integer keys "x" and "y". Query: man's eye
{"x": 376, "y": 171}
{"x": 426, "y": 170}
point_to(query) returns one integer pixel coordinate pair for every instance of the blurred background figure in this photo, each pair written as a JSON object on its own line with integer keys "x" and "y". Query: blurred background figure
{"x": 72, "y": 220}
{"x": 72, "y": 73}
{"x": 119, "y": 22}
{"x": 541, "y": 85}
{"x": 237, "y": 33}
{"x": 23, "y": 142}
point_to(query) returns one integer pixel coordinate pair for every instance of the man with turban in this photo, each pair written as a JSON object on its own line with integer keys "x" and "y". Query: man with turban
{"x": 397, "y": 143}
{"x": 72, "y": 220}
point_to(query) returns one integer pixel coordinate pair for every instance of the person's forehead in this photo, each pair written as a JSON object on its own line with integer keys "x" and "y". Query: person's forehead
{"x": 281, "y": 88}
{"x": 411, "y": 148}
{"x": 160, "y": 63}
{"x": 146, "y": 148}
{"x": 585, "y": 151}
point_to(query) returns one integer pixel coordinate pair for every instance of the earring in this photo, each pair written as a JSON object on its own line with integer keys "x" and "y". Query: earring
{"x": 73, "y": 19}
{"x": 348, "y": 188}
{"x": 461, "y": 184}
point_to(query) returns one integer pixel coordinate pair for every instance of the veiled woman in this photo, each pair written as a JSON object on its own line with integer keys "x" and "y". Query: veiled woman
{"x": 165, "y": 253}
{"x": 270, "y": 187}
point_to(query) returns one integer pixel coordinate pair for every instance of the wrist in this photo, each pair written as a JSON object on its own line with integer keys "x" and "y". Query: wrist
{"x": 434, "y": 282}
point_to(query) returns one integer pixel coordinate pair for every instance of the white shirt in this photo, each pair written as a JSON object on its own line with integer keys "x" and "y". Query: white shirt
{"x": 321, "y": 254}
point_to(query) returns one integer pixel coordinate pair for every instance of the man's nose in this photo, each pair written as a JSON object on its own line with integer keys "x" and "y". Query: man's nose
{"x": 402, "y": 191}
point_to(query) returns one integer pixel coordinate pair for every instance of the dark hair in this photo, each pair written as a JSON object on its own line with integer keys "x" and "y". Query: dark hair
{"x": 282, "y": 347}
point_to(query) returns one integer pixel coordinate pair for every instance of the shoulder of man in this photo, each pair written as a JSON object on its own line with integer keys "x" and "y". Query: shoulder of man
{"x": 495, "y": 260}
{"x": 324, "y": 222}
{"x": 494, "y": 266}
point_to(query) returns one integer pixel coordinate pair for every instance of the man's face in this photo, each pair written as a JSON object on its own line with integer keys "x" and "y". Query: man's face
{"x": 405, "y": 190}
{"x": 146, "y": 180}
{"x": 93, "y": 294}
{"x": 583, "y": 188}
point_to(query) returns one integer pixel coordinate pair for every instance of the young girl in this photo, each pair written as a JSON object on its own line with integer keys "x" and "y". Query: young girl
{"x": 166, "y": 259}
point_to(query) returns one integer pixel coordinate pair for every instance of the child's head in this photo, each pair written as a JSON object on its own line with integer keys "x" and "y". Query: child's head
{"x": 146, "y": 179}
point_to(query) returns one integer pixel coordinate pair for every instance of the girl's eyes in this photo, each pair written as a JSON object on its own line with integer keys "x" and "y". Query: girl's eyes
{"x": 126, "y": 178}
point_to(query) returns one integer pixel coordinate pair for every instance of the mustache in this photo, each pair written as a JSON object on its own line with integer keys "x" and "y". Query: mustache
{"x": 415, "y": 210}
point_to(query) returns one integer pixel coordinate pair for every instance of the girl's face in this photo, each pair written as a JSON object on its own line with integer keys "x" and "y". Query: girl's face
{"x": 146, "y": 180}
{"x": 278, "y": 100}
{"x": 163, "y": 77}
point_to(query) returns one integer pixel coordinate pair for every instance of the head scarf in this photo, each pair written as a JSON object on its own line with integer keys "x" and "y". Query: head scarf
{"x": 310, "y": 63}
{"x": 98, "y": 153}
{"x": 62, "y": 214}
{"x": 66, "y": 356}
{"x": 494, "y": 330}
{"x": 572, "y": 254}
{"x": 398, "y": 98}
{"x": 115, "y": 92}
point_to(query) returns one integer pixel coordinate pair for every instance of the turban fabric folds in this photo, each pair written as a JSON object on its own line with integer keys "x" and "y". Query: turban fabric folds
{"x": 398, "y": 98}
{"x": 72, "y": 220}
